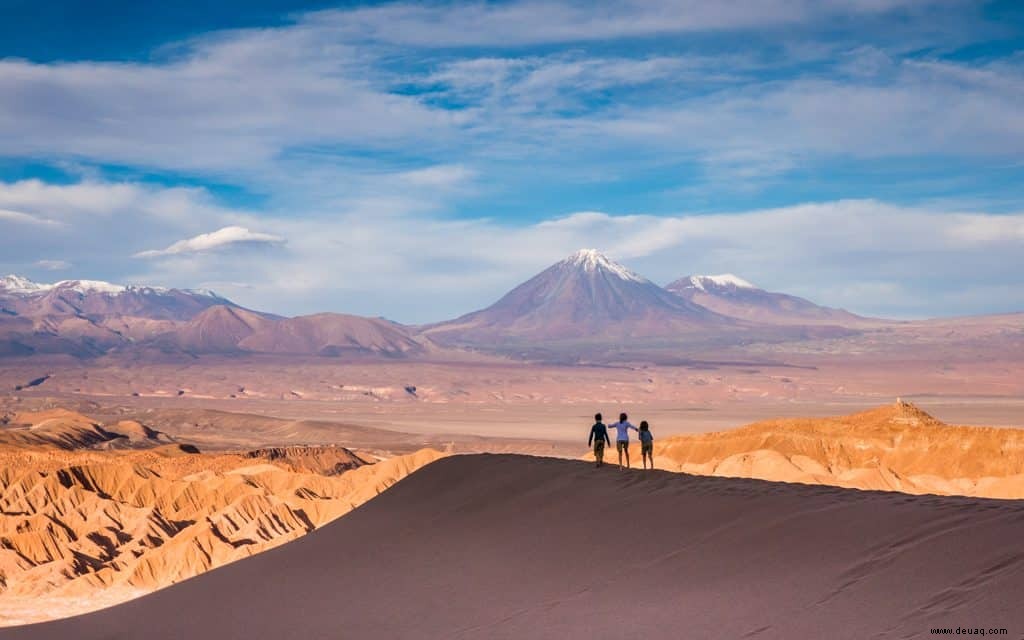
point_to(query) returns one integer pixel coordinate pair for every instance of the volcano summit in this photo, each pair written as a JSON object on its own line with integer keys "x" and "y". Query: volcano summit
{"x": 586, "y": 296}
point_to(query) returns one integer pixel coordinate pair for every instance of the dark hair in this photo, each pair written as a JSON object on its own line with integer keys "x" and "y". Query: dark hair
{"x": 597, "y": 417}
{"x": 643, "y": 426}
{"x": 622, "y": 417}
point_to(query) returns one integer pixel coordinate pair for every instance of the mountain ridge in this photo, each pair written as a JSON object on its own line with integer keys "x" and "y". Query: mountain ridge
{"x": 583, "y": 308}
{"x": 735, "y": 297}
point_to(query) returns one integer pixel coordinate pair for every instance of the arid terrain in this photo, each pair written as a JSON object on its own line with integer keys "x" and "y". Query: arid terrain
{"x": 517, "y": 546}
{"x": 526, "y": 399}
{"x": 895, "y": 447}
{"x": 152, "y": 436}
{"x": 105, "y": 507}
{"x": 92, "y": 515}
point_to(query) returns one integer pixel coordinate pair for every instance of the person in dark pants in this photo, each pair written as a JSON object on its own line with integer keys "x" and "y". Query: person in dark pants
{"x": 599, "y": 438}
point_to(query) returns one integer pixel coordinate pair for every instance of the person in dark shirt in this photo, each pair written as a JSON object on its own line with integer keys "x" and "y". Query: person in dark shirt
{"x": 646, "y": 443}
{"x": 599, "y": 438}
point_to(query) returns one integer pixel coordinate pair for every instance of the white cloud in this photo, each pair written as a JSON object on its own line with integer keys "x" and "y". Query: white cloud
{"x": 262, "y": 105}
{"x": 97, "y": 225}
{"x": 53, "y": 265}
{"x": 229, "y": 102}
{"x": 548, "y": 75}
{"x": 914, "y": 110}
{"x": 440, "y": 176}
{"x": 96, "y": 200}
{"x": 562, "y": 21}
{"x": 215, "y": 240}
{"x": 21, "y": 217}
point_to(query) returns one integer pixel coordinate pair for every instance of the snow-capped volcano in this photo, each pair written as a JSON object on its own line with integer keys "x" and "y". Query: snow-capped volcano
{"x": 733, "y": 296}
{"x": 587, "y": 295}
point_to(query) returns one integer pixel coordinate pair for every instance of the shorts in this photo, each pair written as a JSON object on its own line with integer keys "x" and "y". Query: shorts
{"x": 598, "y": 448}
{"x": 647, "y": 448}
{"x": 622, "y": 445}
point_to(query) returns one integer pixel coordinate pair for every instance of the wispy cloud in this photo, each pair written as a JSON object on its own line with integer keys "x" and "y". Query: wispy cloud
{"x": 440, "y": 176}
{"x": 247, "y": 104}
{"x": 20, "y": 217}
{"x": 97, "y": 226}
{"x": 53, "y": 265}
{"x": 564, "y": 21}
{"x": 214, "y": 241}
{"x": 231, "y": 103}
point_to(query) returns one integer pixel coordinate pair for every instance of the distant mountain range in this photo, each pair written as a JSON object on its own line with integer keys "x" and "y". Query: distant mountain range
{"x": 585, "y": 303}
{"x": 91, "y": 297}
{"x": 87, "y": 318}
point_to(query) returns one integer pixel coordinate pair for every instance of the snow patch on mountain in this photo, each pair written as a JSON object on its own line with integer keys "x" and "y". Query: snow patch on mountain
{"x": 722, "y": 280}
{"x": 593, "y": 260}
{"x": 20, "y": 285}
{"x": 88, "y": 286}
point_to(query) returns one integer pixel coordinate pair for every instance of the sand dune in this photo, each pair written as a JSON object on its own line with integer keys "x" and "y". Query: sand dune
{"x": 895, "y": 447}
{"x": 516, "y": 547}
{"x": 80, "y": 529}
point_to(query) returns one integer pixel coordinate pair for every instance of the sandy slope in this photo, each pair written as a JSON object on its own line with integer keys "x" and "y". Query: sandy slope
{"x": 80, "y": 529}
{"x": 492, "y": 546}
{"x": 894, "y": 447}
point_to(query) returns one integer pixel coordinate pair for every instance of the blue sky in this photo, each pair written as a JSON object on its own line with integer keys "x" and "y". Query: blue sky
{"x": 416, "y": 160}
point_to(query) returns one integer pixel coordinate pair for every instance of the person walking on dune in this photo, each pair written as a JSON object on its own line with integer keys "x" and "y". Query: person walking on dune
{"x": 646, "y": 443}
{"x": 598, "y": 437}
{"x": 622, "y": 437}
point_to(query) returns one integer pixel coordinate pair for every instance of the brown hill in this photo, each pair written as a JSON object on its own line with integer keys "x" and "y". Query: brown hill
{"x": 333, "y": 334}
{"x": 20, "y": 336}
{"x": 138, "y": 434}
{"x": 69, "y": 431}
{"x": 493, "y": 546}
{"x": 57, "y": 427}
{"x": 85, "y": 529}
{"x": 217, "y": 329}
{"x": 327, "y": 460}
{"x": 895, "y": 447}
